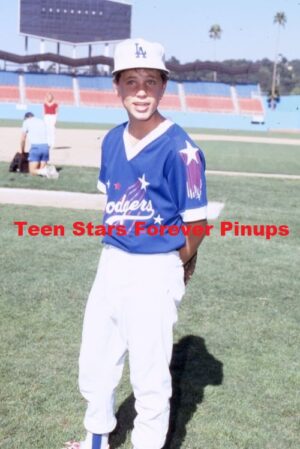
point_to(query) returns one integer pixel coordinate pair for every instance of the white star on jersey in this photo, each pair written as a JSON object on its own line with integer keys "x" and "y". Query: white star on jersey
{"x": 158, "y": 219}
{"x": 191, "y": 153}
{"x": 143, "y": 182}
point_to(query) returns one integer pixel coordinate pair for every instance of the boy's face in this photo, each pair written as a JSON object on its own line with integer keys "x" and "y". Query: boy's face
{"x": 140, "y": 91}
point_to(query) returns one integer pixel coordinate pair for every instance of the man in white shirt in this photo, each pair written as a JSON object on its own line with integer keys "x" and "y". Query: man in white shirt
{"x": 35, "y": 129}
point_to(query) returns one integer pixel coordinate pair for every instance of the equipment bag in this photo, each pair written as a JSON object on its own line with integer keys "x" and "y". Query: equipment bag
{"x": 19, "y": 163}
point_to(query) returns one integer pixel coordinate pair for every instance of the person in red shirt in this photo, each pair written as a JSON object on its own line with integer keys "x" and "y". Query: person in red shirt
{"x": 50, "y": 117}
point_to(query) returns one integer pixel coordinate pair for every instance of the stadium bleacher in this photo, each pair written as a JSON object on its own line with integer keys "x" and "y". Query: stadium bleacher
{"x": 209, "y": 104}
{"x": 95, "y": 82}
{"x": 247, "y": 90}
{"x": 171, "y": 98}
{"x": 83, "y": 90}
{"x": 37, "y": 85}
{"x": 206, "y": 89}
{"x": 208, "y": 97}
{"x": 251, "y": 106}
{"x": 97, "y": 91}
{"x": 170, "y": 101}
{"x": 9, "y": 87}
{"x": 99, "y": 98}
{"x": 249, "y": 99}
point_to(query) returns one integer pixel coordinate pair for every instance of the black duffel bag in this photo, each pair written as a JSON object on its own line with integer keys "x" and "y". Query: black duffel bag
{"x": 19, "y": 163}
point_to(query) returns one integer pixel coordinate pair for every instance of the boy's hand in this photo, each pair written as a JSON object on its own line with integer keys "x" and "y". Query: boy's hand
{"x": 189, "y": 268}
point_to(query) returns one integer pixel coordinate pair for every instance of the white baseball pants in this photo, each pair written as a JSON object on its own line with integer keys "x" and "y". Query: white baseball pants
{"x": 132, "y": 307}
{"x": 50, "y": 121}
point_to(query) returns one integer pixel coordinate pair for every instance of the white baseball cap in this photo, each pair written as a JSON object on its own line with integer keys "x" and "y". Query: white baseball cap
{"x": 138, "y": 53}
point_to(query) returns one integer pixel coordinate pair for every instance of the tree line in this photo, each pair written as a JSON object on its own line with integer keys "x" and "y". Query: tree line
{"x": 261, "y": 72}
{"x": 277, "y": 77}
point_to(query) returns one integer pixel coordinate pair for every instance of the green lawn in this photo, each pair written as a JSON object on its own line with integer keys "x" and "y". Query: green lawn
{"x": 72, "y": 179}
{"x": 235, "y": 365}
{"x": 252, "y": 157}
{"x": 227, "y": 132}
{"x": 233, "y": 132}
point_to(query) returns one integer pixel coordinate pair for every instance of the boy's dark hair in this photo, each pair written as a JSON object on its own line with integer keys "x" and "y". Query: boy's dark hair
{"x": 164, "y": 76}
{"x": 28, "y": 115}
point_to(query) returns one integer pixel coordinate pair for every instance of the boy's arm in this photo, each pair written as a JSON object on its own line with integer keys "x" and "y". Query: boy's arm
{"x": 23, "y": 142}
{"x": 188, "y": 253}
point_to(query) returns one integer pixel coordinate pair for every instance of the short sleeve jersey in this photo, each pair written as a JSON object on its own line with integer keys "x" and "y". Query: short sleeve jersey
{"x": 158, "y": 183}
{"x": 36, "y": 130}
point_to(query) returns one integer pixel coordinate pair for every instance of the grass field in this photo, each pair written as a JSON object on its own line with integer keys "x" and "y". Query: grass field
{"x": 230, "y": 156}
{"x": 252, "y": 157}
{"x": 72, "y": 179}
{"x": 235, "y": 364}
{"x": 72, "y": 125}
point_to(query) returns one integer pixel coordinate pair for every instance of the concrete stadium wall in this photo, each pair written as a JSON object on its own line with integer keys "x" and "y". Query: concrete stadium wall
{"x": 274, "y": 120}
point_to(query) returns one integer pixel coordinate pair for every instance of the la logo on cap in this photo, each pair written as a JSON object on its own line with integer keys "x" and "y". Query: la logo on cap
{"x": 139, "y": 51}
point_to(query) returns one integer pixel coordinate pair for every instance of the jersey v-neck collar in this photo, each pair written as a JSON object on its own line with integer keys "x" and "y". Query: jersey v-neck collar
{"x": 133, "y": 150}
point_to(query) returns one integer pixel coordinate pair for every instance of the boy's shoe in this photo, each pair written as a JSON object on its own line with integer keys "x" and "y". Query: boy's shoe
{"x": 42, "y": 171}
{"x": 51, "y": 172}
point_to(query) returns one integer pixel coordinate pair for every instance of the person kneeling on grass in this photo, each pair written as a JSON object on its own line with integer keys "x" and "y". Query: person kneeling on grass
{"x": 35, "y": 129}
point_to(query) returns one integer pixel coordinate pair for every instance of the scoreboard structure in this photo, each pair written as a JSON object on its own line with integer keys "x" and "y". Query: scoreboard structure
{"x": 75, "y": 22}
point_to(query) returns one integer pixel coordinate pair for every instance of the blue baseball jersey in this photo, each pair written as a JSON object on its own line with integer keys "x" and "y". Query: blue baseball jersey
{"x": 152, "y": 188}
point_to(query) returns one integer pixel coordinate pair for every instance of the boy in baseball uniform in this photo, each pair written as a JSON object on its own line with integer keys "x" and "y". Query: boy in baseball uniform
{"x": 154, "y": 178}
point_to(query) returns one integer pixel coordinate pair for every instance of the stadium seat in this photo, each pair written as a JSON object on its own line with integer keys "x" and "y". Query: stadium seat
{"x": 247, "y": 90}
{"x": 104, "y": 98}
{"x": 206, "y": 89}
{"x": 48, "y": 80}
{"x": 37, "y": 94}
{"x": 97, "y": 91}
{"x": 9, "y": 86}
{"x": 37, "y": 85}
{"x": 86, "y": 90}
{"x": 209, "y": 104}
{"x": 92, "y": 97}
{"x": 95, "y": 82}
{"x": 208, "y": 97}
{"x": 9, "y": 93}
{"x": 170, "y": 101}
{"x": 250, "y": 106}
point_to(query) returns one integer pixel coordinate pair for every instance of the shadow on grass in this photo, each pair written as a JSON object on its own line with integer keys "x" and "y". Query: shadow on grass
{"x": 192, "y": 368}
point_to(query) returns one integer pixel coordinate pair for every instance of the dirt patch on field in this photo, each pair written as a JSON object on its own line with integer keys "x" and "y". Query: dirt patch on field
{"x": 81, "y": 147}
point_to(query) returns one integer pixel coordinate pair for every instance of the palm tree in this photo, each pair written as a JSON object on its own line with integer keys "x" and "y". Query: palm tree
{"x": 215, "y": 33}
{"x": 280, "y": 20}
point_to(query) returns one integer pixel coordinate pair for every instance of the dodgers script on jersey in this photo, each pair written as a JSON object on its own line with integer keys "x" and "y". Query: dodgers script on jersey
{"x": 158, "y": 182}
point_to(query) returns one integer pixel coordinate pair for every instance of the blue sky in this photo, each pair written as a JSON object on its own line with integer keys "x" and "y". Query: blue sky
{"x": 182, "y": 27}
